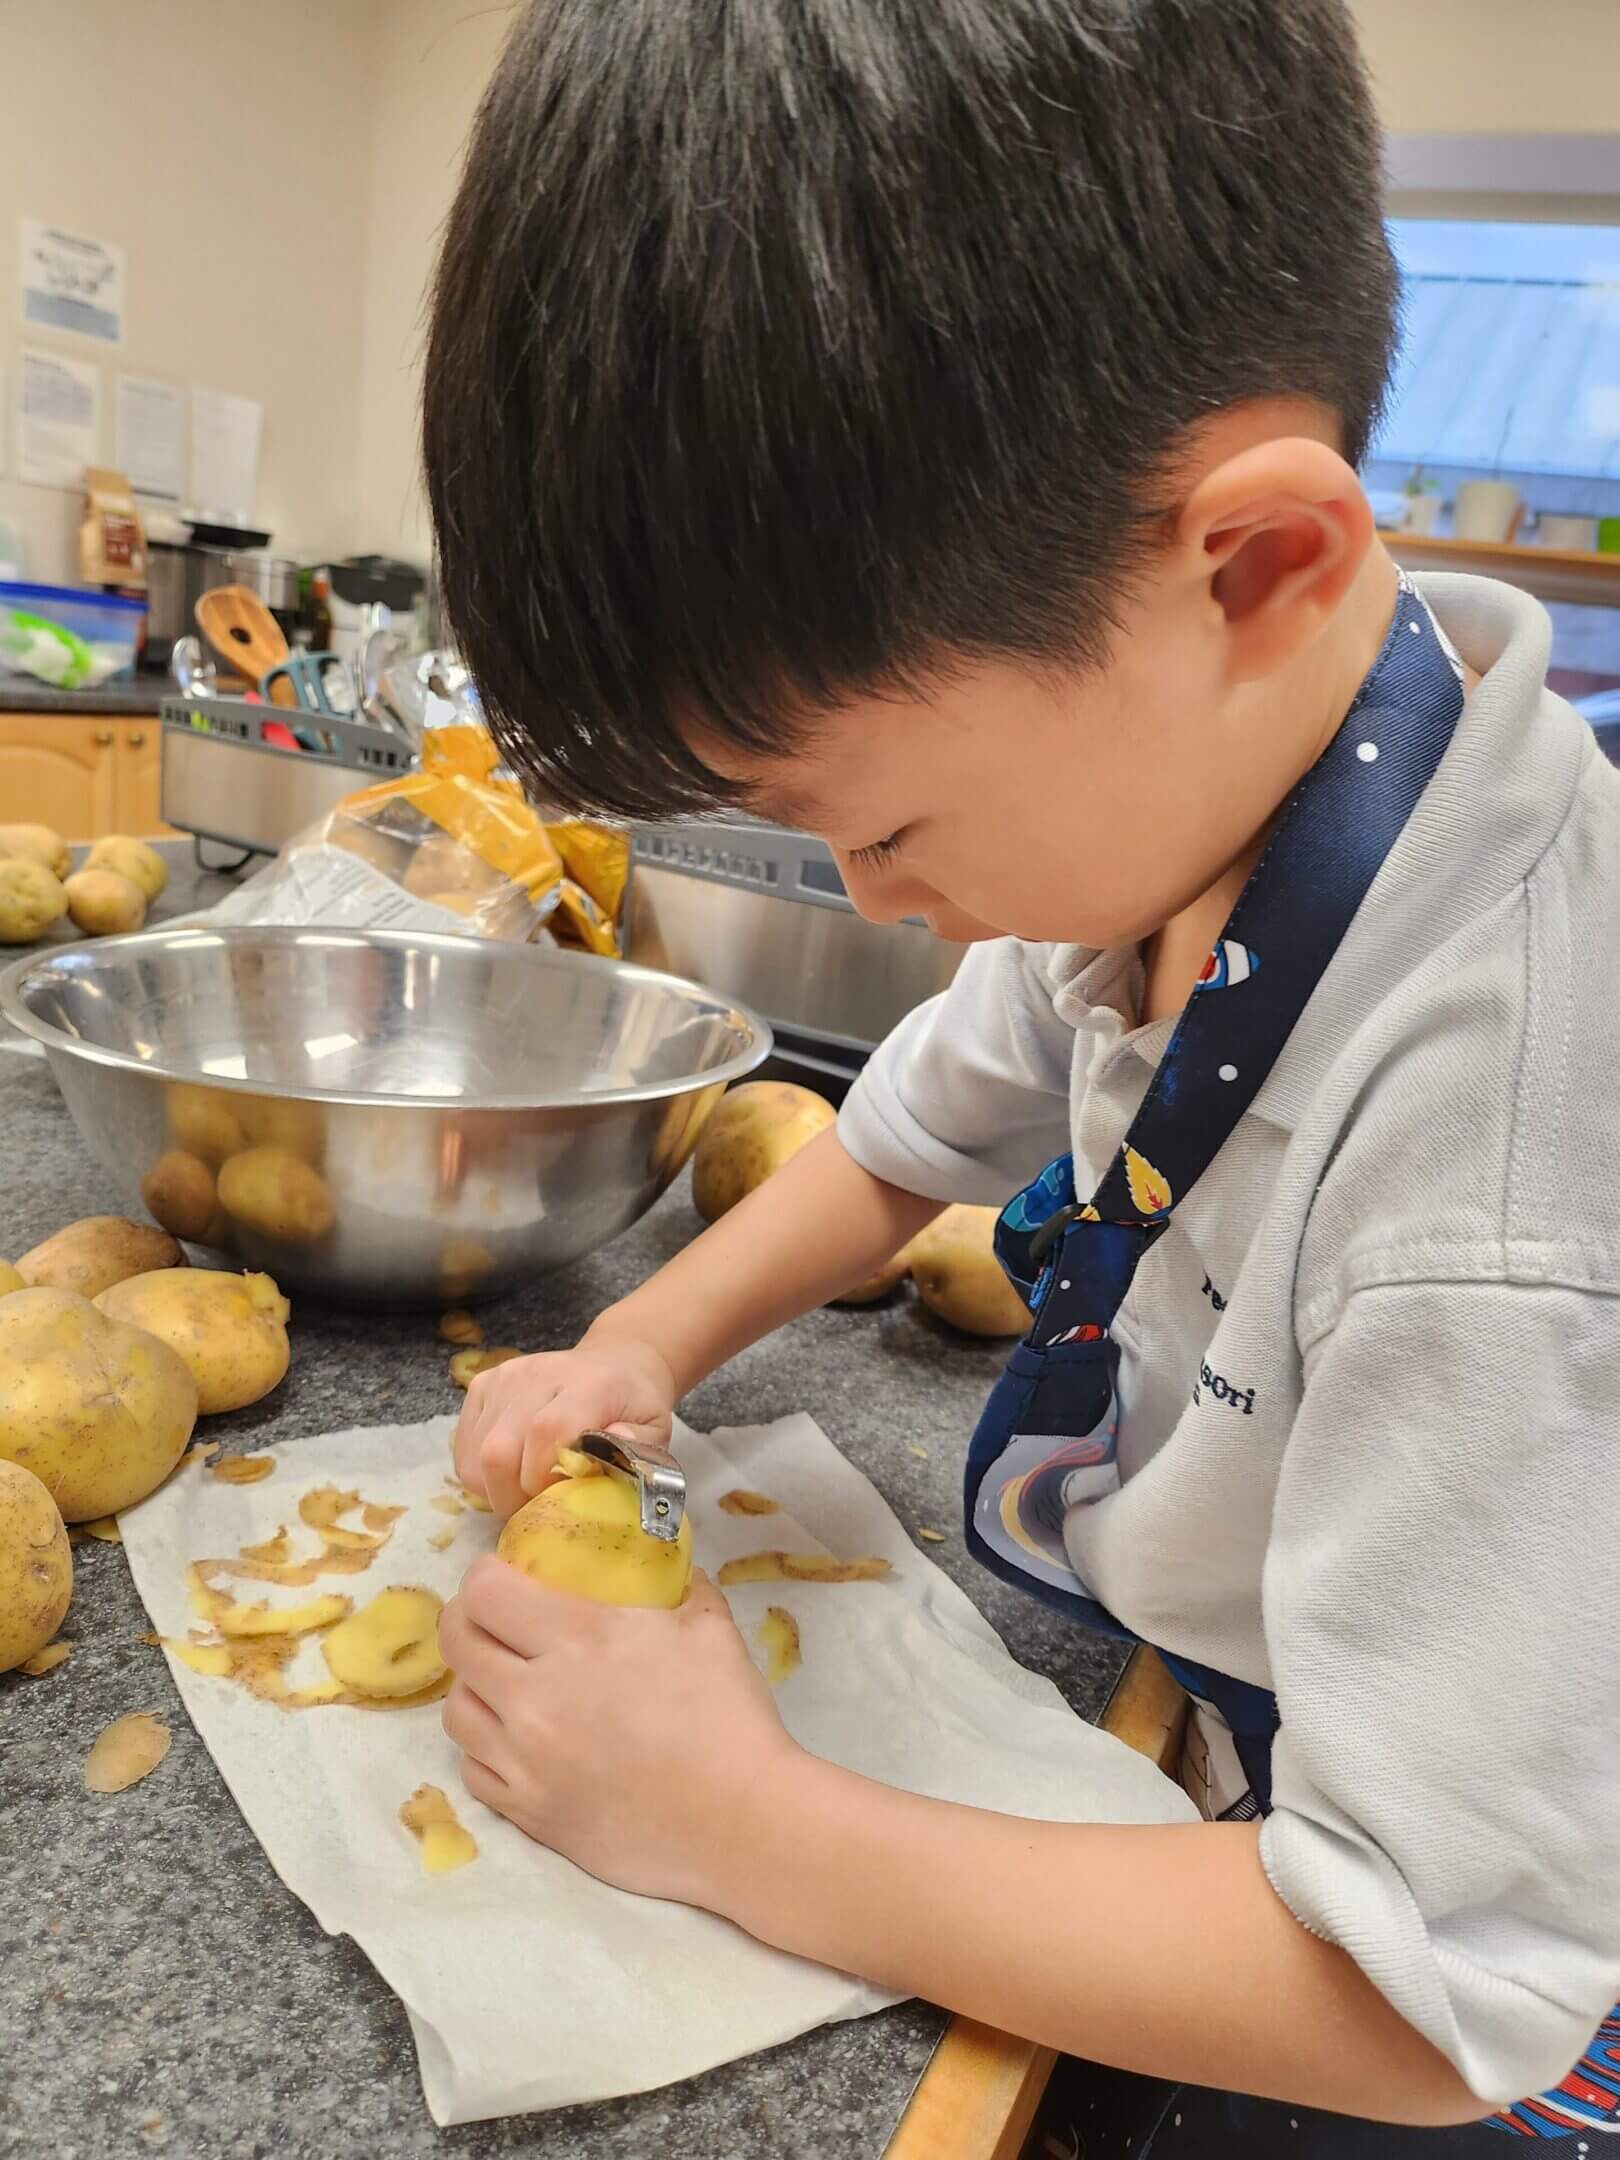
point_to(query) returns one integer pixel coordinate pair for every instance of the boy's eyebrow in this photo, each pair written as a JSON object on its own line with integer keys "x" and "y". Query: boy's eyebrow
{"x": 781, "y": 806}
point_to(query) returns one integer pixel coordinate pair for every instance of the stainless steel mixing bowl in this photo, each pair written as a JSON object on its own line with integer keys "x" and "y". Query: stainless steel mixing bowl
{"x": 378, "y": 1116}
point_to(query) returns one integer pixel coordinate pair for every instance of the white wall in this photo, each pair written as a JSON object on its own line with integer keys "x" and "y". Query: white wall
{"x": 226, "y": 145}
{"x": 1525, "y": 67}
{"x": 438, "y": 56}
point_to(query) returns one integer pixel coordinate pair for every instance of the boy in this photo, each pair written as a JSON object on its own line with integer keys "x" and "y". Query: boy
{"x": 933, "y": 422}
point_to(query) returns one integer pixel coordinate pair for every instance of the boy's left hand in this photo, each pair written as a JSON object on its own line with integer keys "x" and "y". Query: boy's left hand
{"x": 623, "y": 1738}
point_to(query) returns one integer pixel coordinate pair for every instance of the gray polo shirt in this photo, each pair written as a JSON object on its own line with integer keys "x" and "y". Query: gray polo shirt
{"x": 1399, "y": 1507}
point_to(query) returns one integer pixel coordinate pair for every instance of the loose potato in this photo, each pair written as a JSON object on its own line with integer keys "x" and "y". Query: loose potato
{"x": 278, "y": 1194}
{"x": 958, "y": 1276}
{"x": 90, "y": 1256}
{"x": 133, "y": 859}
{"x": 100, "y": 1413}
{"x": 875, "y": 1287}
{"x": 38, "y": 843}
{"x": 9, "y": 1279}
{"x": 104, "y": 904}
{"x": 180, "y": 1192}
{"x": 755, "y": 1129}
{"x": 31, "y": 899}
{"x": 389, "y": 1647}
{"x": 36, "y": 1566}
{"x": 281, "y": 1121}
{"x": 231, "y": 1330}
{"x": 204, "y": 1122}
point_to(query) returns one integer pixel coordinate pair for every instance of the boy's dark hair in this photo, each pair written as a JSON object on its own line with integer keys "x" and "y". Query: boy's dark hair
{"x": 788, "y": 350}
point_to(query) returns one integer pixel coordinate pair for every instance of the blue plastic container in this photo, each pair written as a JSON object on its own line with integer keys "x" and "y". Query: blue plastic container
{"x": 67, "y": 638}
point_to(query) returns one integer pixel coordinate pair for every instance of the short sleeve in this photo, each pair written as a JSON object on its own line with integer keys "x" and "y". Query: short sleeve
{"x": 968, "y": 1098}
{"x": 1442, "y": 1607}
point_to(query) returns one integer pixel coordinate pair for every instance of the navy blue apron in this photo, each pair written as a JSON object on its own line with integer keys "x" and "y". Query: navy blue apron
{"x": 1046, "y": 1443}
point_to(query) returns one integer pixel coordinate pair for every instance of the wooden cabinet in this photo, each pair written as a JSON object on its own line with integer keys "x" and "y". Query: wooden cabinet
{"x": 83, "y": 773}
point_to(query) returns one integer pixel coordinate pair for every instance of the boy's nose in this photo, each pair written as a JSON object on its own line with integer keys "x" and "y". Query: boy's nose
{"x": 883, "y": 896}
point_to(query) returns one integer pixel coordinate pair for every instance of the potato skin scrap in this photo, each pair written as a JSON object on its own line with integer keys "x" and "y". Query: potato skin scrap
{"x": 390, "y": 1647}
{"x": 462, "y": 1329}
{"x": 742, "y": 1502}
{"x": 129, "y": 1749}
{"x": 266, "y": 1619}
{"x": 242, "y": 1469}
{"x": 466, "y": 1365}
{"x": 778, "y": 1636}
{"x": 445, "y": 1843}
{"x": 211, "y": 1659}
{"x": 47, "y": 1660}
{"x": 799, "y": 1567}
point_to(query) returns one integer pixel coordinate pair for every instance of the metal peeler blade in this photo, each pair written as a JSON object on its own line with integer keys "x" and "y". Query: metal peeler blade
{"x": 659, "y": 1478}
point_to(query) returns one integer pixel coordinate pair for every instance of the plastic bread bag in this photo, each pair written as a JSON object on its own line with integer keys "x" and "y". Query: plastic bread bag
{"x": 450, "y": 846}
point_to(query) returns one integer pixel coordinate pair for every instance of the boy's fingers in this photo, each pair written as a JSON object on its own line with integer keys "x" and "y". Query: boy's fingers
{"x": 472, "y": 1724}
{"x": 522, "y": 1614}
{"x": 473, "y": 1654}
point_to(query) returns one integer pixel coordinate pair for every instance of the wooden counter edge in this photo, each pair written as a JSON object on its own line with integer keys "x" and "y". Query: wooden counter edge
{"x": 977, "y": 2098}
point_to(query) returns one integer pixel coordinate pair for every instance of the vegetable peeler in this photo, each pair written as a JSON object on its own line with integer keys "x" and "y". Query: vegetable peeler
{"x": 659, "y": 1479}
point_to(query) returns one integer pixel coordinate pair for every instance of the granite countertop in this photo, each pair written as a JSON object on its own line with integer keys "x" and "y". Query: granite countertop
{"x": 141, "y": 694}
{"x": 159, "y": 1988}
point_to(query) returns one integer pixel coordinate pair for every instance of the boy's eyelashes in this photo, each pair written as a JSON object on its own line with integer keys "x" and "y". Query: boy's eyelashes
{"x": 878, "y": 852}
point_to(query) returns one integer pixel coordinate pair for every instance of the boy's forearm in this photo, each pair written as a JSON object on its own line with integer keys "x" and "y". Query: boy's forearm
{"x": 817, "y": 1227}
{"x": 1157, "y": 1949}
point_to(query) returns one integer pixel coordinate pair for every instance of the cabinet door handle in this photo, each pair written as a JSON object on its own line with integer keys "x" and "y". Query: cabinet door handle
{"x": 103, "y": 738}
{"x": 137, "y": 739}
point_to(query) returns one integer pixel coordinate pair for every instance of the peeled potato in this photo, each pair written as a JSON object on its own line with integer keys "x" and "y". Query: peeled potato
{"x": 31, "y": 899}
{"x": 100, "y": 1413}
{"x": 180, "y": 1192}
{"x": 90, "y": 1256}
{"x": 36, "y": 1566}
{"x": 754, "y": 1130}
{"x": 389, "y": 1647}
{"x": 103, "y": 903}
{"x": 39, "y": 843}
{"x": 231, "y": 1330}
{"x": 958, "y": 1276}
{"x": 132, "y": 859}
{"x": 583, "y": 1534}
{"x": 204, "y": 1122}
{"x": 277, "y": 1193}
{"x": 9, "y": 1279}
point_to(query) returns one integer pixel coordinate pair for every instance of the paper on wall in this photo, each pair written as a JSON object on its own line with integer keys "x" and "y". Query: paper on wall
{"x": 225, "y": 433}
{"x": 527, "y": 1983}
{"x": 72, "y": 283}
{"x": 58, "y": 414}
{"x": 149, "y": 436}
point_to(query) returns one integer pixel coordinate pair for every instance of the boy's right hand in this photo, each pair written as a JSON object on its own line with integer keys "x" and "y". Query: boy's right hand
{"x": 518, "y": 1415}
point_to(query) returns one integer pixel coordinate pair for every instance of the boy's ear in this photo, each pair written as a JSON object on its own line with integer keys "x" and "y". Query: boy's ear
{"x": 1279, "y": 531}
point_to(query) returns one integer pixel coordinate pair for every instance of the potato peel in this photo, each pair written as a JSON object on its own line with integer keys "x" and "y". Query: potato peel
{"x": 390, "y": 1647}
{"x": 444, "y": 1841}
{"x": 466, "y": 1365}
{"x": 932, "y": 1537}
{"x": 129, "y": 1749}
{"x": 211, "y": 1659}
{"x": 265, "y": 1619}
{"x": 104, "y": 1530}
{"x": 47, "y": 1660}
{"x": 799, "y": 1567}
{"x": 448, "y": 1504}
{"x": 377, "y": 1517}
{"x": 242, "y": 1469}
{"x": 742, "y": 1502}
{"x": 323, "y": 1508}
{"x": 461, "y": 1328}
{"x": 274, "y": 1551}
{"x": 442, "y": 1540}
{"x": 778, "y": 1636}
